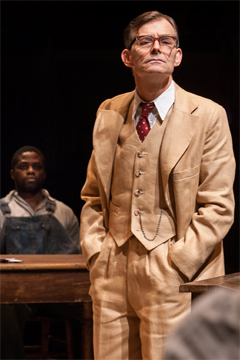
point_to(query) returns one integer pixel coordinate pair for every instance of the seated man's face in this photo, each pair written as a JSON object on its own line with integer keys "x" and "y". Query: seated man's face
{"x": 29, "y": 173}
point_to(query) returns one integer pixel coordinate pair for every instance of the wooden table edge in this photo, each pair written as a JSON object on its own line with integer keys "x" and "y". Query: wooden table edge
{"x": 206, "y": 284}
{"x": 44, "y": 262}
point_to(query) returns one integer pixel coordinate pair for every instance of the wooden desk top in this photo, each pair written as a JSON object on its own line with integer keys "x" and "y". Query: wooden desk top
{"x": 50, "y": 279}
{"x": 44, "y": 278}
{"x": 44, "y": 262}
{"x": 231, "y": 281}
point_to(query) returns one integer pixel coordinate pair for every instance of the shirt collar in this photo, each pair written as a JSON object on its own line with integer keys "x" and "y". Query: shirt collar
{"x": 14, "y": 194}
{"x": 162, "y": 103}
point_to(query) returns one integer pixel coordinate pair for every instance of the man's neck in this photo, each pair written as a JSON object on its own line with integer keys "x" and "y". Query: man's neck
{"x": 34, "y": 200}
{"x": 149, "y": 88}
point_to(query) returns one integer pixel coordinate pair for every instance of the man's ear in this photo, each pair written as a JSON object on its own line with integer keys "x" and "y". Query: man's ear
{"x": 12, "y": 174}
{"x": 178, "y": 57}
{"x": 126, "y": 58}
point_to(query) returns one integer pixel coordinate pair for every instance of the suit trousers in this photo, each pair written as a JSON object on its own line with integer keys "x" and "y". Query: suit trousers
{"x": 136, "y": 300}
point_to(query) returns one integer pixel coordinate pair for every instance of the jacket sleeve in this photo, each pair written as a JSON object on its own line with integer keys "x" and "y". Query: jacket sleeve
{"x": 214, "y": 207}
{"x": 92, "y": 229}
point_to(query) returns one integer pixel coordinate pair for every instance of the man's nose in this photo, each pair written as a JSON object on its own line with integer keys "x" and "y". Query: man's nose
{"x": 156, "y": 45}
{"x": 30, "y": 169}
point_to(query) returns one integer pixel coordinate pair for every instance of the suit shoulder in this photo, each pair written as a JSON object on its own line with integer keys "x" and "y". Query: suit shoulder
{"x": 199, "y": 98}
{"x": 192, "y": 102}
{"x": 117, "y": 102}
{"x": 203, "y": 100}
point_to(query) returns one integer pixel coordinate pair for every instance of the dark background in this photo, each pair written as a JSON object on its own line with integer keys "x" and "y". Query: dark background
{"x": 61, "y": 59}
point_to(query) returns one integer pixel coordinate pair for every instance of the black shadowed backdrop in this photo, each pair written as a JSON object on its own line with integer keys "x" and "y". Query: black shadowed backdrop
{"x": 61, "y": 59}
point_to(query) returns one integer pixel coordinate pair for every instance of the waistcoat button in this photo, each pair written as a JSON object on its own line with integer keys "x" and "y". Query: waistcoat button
{"x": 142, "y": 153}
{"x": 137, "y": 192}
{"x": 137, "y": 174}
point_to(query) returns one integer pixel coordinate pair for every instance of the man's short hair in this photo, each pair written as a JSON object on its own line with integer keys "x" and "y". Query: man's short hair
{"x": 131, "y": 30}
{"x": 24, "y": 149}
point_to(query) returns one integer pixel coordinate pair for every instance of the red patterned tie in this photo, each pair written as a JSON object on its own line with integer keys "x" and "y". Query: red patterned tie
{"x": 143, "y": 126}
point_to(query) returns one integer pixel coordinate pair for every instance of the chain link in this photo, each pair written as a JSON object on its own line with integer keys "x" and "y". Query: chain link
{"x": 142, "y": 228}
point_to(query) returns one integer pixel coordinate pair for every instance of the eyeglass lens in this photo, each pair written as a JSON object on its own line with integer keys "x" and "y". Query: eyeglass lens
{"x": 165, "y": 41}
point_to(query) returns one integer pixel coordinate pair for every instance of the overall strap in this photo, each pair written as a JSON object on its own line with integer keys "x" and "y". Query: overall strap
{"x": 5, "y": 208}
{"x": 50, "y": 206}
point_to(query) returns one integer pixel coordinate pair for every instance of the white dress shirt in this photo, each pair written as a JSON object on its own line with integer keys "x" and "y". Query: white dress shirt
{"x": 162, "y": 104}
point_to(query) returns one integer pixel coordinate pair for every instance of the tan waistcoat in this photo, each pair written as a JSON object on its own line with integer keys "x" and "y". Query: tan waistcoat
{"x": 137, "y": 186}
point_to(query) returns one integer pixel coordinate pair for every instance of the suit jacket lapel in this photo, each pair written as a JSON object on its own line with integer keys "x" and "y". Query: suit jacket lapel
{"x": 105, "y": 139}
{"x": 178, "y": 133}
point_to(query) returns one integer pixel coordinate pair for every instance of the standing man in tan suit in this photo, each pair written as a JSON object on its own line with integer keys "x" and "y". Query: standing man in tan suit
{"x": 158, "y": 204}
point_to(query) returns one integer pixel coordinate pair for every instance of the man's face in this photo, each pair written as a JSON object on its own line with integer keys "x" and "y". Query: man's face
{"x": 29, "y": 173}
{"x": 152, "y": 60}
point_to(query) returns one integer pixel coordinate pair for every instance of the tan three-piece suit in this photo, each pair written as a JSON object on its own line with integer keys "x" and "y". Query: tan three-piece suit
{"x": 155, "y": 214}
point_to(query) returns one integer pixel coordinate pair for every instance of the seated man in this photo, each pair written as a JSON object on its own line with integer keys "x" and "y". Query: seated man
{"x": 32, "y": 222}
{"x": 29, "y": 206}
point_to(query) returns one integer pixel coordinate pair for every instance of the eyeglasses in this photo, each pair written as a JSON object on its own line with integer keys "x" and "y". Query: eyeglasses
{"x": 166, "y": 42}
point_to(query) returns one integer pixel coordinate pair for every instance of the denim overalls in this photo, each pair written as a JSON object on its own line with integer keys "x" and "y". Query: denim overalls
{"x": 42, "y": 234}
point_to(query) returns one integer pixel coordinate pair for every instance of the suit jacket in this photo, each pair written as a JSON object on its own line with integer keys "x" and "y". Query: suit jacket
{"x": 197, "y": 166}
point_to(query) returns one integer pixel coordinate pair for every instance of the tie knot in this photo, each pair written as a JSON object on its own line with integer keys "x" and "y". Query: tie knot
{"x": 146, "y": 108}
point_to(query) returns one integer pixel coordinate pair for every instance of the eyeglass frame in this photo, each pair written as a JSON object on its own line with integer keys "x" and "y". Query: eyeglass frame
{"x": 154, "y": 38}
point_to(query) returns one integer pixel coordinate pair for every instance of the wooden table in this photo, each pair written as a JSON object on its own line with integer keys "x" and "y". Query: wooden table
{"x": 231, "y": 281}
{"x": 50, "y": 279}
